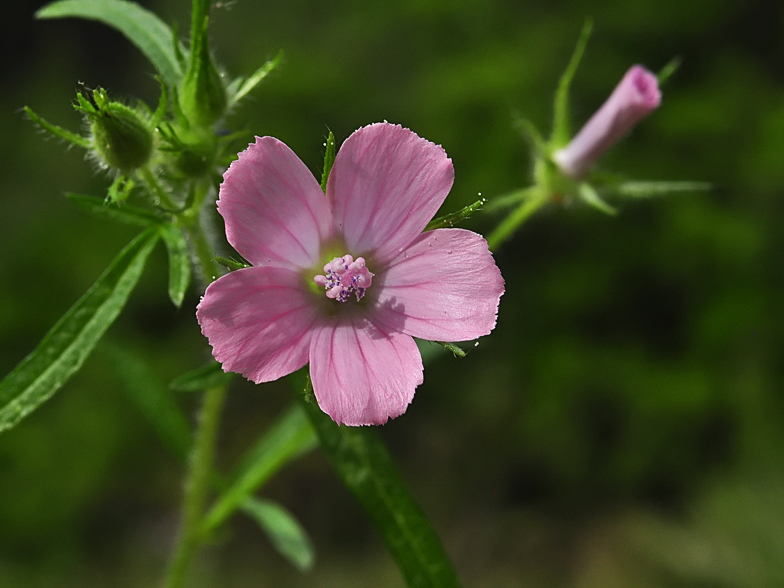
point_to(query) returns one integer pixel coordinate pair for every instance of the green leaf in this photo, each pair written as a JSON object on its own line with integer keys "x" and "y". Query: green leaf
{"x": 652, "y": 189}
{"x": 152, "y": 399}
{"x": 561, "y": 118}
{"x": 591, "y": 197}
{"x": 143, "y": 28}
{"x": 65, "y": 347}
{"x": 198, "y": 380}
{"x": 449, "y": 220}
{"x": 179, "y": 262}
{"x": 58, "y": 132}
{"x": 126, "y": 214}
{"x": 284, "y": 531}
{"x": 291, "y": 436}
{"x": 329, "y": 159}
{"x": 240, "y": 87}
{"x": 363, "y": 464}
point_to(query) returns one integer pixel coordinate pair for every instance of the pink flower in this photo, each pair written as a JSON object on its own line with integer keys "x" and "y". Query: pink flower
{"x": 633, "y": 99}
{"x": 344, "y": 281}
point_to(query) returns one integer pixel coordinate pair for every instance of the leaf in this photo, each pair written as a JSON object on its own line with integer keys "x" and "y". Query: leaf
{"x": 179, "y": 262}
{"x": 143, "y": 28}
{"x": 152, "y": 399}
{"x": 284, "y": 531}
{"x": 561, "y": 118}
{"x": 65, "y": 347}
{"x": 363, "y": 464}
{"x": 126, "y": 214}
{"x": 58, "y": 132}
{"x": 198, "y": 380}
{"x": 241, "y": 88}
{"x": 449, "y": 220}
{"x": 652, "y": 189}
{"x": 591, "y": 197}
{"x": 329, "y": 159}
{"x": 291, "y": 436}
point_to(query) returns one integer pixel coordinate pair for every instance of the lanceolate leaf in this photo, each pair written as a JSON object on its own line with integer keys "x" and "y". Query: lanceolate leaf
{"x": 67, "y": 345}
{"x": 143, "y": 28}
{"x": 561, "y": 118}
{"x": 198, "y": 380}
{"x": 125, "y": 214}
{"x": 363, "y": 464}
{"x": 243, "y": 87}
{"x": 285, "y": 533}
{"x": 179, "y": 262}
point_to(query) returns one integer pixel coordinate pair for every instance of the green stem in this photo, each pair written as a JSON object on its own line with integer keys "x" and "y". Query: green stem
{"x": 190, "y": 221}
{"x": 196, "y": 487}
{"x": 156, "y": 189}
{"x": 538, "y": 198}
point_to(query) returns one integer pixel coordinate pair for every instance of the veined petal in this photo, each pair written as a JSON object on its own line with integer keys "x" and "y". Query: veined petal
{"x": 275, "y": 211}
{"x": 259, "y": 322}
{"x": 444, "y": 287}
{"x": 385, "y": 186}
{"x": 362, "y": 373}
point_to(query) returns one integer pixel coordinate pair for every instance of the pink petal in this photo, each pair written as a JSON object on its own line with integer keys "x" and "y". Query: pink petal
{"x": 363, "y": 374}
{"x": 259, "y": 321}
{"x": 633, "y": 99}
{"x": 275, "y": 211}
{"x": 385, "y": 186}
{"x": 444, "y": 287}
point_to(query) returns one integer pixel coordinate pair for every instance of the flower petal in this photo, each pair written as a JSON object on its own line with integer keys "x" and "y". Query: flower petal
{"x": 363, "y": 374}
{"x": 275, "y": 211}
{"x": 259, "y": 322}
{"x": 444, "y": 287}
{"x": 385, "y": 185}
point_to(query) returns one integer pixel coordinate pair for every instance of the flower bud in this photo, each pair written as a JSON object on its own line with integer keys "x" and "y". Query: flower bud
{"x": 633, "y": 99}
{"x": 121, "y": 137}
{"x": 202, "y": 93}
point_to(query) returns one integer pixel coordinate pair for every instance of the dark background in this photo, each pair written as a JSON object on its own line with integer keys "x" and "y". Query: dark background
{"x": 622, "y": 425}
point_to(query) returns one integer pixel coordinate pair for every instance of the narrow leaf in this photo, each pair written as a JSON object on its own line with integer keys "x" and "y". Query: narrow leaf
{"x": 561, "y": 118}
{"x": 127, "y": 214}
{"x": 198, "y": 380}
{"x": 246, "y": 86}
{"x": 291, "y": 436}
{"x": 65, "y": 347}
{"x": 329, "y": 159}
{"x": 179, "y": 262}
{"x": 591, "y": 197}
{"x": 363, "y": 464}
{"x": 666, "y": 72}
{"x": 152, "y": 399}
{"x": 284, "y": 531}
{"x": 452, "y": 218}
{"x": 652, "y": 189}
{"x": 143, "y": 28}
{"x": 58, "y": 132}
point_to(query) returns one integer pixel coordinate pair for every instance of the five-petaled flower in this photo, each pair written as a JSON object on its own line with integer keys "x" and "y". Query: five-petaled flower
{"x": 635, "y": 96}
{"x": 344, "y": 281}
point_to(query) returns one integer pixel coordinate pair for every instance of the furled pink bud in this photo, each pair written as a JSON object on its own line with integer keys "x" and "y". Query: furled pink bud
{"x": 633, "y": 99}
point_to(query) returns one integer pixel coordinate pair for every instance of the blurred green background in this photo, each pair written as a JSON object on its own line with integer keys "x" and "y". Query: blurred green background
{"x": 622, "y": 426}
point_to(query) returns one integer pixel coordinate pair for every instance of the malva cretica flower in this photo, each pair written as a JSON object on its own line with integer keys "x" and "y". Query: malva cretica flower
{"x": 345, "y": 280}
{"x": 635, "y": 96}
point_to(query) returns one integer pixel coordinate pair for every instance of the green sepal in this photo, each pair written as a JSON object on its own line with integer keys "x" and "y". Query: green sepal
{"x": 451, "y": 219}
{"x": 231, "y": 264}
{"x": 241, "y": 87}
{"x": 58, "y": 132}
{"x": 202, "y": 92}
{"x": 290, "y": 437}
{"x": 363, "y": 464}
{"x": 329, "y": 160}
{"x": 143, "y": 28}
{"x": 666, "y": 72}
{"x": 163, "y": 103}
{"x": 636, "y": 189}
{"x": 120, "y": 189}
{"x": 561, "y": 117}
{"x": 532, "y": 135}
{"x": 590, "y": 196}
{"x": 285, "y": 533}
{"x": 68, "y": 344}
{"x": 126, "y": 213}
{"x": 179, "y": 262}
{"x": 202, "y": 378}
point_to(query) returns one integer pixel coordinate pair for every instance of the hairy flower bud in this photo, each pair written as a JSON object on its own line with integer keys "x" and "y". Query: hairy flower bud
{"x": 202, "y": 92}
{"x": 120, "y": 136}
{"x": 633, "y": 99}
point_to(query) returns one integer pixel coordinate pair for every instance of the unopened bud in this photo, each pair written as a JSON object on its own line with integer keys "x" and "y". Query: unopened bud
{"x": 202, "y": 93}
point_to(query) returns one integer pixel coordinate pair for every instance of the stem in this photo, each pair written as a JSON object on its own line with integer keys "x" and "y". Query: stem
{"x": 157, "y": 190}
{"x": 200, "y": 245}
{"x": 537, "y": 199}
{"x": 196, "y": 486}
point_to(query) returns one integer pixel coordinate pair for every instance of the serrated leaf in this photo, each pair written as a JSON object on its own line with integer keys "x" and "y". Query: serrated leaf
{"x": 329, "y": 159}
{"x": 284, "y": 531}
{"x": 143, "y": 28}
{"x": 198, "y": 380}
{"x": 449, "y": 220}
{"x": 561, "y": 118}
{"x": 152, "y": 398}
{"x": 241, "y": 87}
{"x": 179, "y": 262}
{"x": 65, "y": 347}
{"x": 127, "y": 214}
{"x": 291, "y": 436}
{"x": 363, "y": 464}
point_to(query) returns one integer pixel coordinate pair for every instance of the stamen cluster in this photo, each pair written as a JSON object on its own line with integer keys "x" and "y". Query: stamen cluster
{"x": 345, "y": 276}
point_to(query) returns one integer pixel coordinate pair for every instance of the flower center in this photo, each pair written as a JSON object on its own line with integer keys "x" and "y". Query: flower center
{"x": 345, "y": 276}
